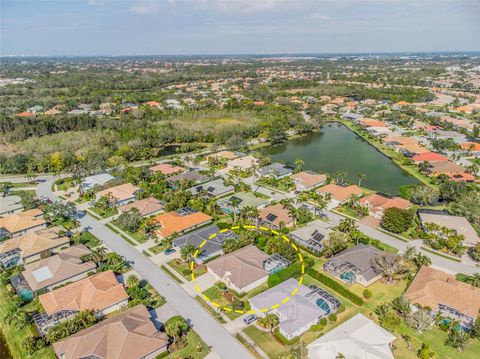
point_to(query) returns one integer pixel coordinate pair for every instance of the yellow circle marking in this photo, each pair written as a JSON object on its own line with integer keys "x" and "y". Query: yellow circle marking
{"x": 263, "y": 310}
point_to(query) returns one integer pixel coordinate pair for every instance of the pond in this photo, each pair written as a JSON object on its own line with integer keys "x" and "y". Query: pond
{"x": 337, "y": 149}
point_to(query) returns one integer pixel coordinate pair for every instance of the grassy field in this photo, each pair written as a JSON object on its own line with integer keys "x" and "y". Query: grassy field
{"x": 16, "y": 336}
{"x": 91, "y": 240}
{"x": 215, "y": 296}
{"x": 180, "y": 266}
{"x": 210, "y": 309}
{"x": 104, "y": 213}
{"x": 195, "y": 349}
{"x": 273, "y": 348}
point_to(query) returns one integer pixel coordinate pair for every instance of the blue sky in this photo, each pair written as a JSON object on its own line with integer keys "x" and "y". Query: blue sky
{"x": 144, "y": 27}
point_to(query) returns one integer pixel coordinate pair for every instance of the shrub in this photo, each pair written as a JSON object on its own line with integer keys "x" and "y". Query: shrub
{"x": 186, "y": 272}
{"x": 341, "y": 309}
{"x": 337, "y": 287}
{"x": 397, "y": 220}
{"x": 367, "y": 293}
{"x": 332, "y": 317}
{"x": 292, "y": 271}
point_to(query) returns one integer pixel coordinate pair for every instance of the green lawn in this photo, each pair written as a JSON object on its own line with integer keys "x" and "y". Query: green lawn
{"x": 19, "y": 184}
{"x": 67, "y": 224}
{"x": 90, "y": 240}
{"x": 210, "y": 309}
{"x": 64, "y": 183}
{"x": 265, "y": 340}
{"x": 158, "y": 248}
{"x": 138, "y": 235}
{"x": 215, "y": 295}
{"x": 14, "y": 336}
{"x": 180, "y": 266}
{"x": 196, "y": 348}
{"x": 104, "y": 213}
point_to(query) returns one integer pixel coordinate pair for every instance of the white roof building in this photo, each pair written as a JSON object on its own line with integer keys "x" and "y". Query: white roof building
{"x": 357, "y": 338}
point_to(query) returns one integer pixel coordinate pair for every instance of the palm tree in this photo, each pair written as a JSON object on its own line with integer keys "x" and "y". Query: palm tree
{"x": 299, "y": 165}
{"x": 150, "y": 226}
{"x": 474, "y": 280}
{"x": 234, "y": 203}
{"x": 361, "y": 177}
{"x": 390, "y": 265}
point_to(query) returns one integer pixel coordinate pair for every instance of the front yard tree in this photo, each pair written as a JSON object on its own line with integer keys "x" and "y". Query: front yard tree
{"x": 397, "y": 220}
{"x": 187, "y": 251}
{"x": 424, "y": 195}
{"x": 457, "y": 339}
{"x": 390, "y": 265}
{"x": 420, "y": 320}
{"x": 130, "y": 220}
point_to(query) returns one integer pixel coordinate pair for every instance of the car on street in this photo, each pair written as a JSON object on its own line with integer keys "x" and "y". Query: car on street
{"x": 249, "y": 319}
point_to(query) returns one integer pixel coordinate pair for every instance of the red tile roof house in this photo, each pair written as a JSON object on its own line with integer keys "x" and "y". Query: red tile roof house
{"x": 276, "y": 216}
{"x": 377, "y": 204}
{"x": 306, "y": 180}
{"x": 20, "y": 223}
{"x": 100, "y": 292}
{"x": 443, "y": 293}
{"x": 166, "y": 169}
{"x": 428, "y": 157}
{"x": 146, "y": 207}
{"x": 129, "y": 335}
{"x": 340, "y": 194}
{"x": 180, "y": 221}
{"x": 122, "y": 194}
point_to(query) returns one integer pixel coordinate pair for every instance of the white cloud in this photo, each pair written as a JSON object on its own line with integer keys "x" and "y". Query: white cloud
{"x": 98, "y": 2}
{"x": 319, "y": 16}
{"x": 144, "y": 7}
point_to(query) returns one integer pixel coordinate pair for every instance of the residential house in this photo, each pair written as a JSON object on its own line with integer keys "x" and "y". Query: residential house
{"x": 146, "y": 207}
{"x": 368, "y": 122}
{"x": 100, "y": 292}
{"x": 358, "y": 337}
{"x": 20, "y": 223}
{"x": 214, "y": 189}
{"x": 456, "y": 223}
{"x": 193, "y": 176}
{"x": 59, "y": 269}
{"x": 242, "y": 163}
{"x": 32, "y": 246}
{"x": 302, "y": 310}
{"x": 354, "y": 265}
{"x": 166, "y": 169}
{"x": 241, "y": 270}
{"x": 275, "y": 170}
{"x": 312, "y": 235}
{"x": 411, "y": 150}
{"x": 442, "y": 293}
{"x": 224, "y": 155}
{"x": 121, "y": 194}
{"x": 181, "y": 221}
{"x": 446, "y": 167}
{"x": 307, "y": 180}
{"x": 340, "y": 194}
{"x": 91, "y": 182}
{"x": 429, "y": 157}
{"x": 10, "y": 204}
{"x": 213, "y": 245}
{"x": 131, "y": 334}
{"x": 239, "y": 201}
{"x": 378, "y": 203}
{"x": 276, "y": 216}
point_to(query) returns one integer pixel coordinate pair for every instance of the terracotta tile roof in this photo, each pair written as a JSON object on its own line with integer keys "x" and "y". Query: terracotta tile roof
{"x": 57, "y": 268}
{"x": 152, "y": 103}
{"x": 242, "y": 267}
{"x": 35, "y": 242}
{"x": 377, "y": 202}
{"x": 172, "y": 222}
{"x": 414, "y": 148}
{"x": 429, "y": 157}
{"x": 144, "y": 206}
{"x": 120, "y": 192}
{"x": 462, "y": 177}
{"x": 167, "y": 169}
{"x": 18, "y": 222}
{"x": 97, "y": 292}
{"x": 309, "y": 179}
{"x": 26, "y": 114}
{"x": 401, "y": 140}
{"x": 472, "y": 146}
{"x": 431, "y": 287}
{"x": 340, "y": 193}
{"x": 368, "y": 122}
{"x": 131, "y": 334}
{"x": 446, "y": 167}
{"x": 244, "y": 162}
{"x": 229, "y": 155}
{"x": 277, "y": 214}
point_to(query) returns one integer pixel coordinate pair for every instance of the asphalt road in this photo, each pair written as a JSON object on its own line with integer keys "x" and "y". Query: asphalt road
{"x": 212, "y": 332}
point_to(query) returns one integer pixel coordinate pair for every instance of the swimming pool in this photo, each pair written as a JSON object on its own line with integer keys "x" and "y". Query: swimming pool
{"x": 348, "y": 277}
{"x": 323, "y": 304}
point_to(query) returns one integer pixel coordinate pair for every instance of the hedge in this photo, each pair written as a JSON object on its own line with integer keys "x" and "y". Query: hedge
{"x": 337, "y": 287}
{"x": 292, "y": 271}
